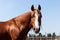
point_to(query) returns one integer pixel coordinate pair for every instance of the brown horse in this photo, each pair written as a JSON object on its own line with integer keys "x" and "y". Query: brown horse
{"x": 18, "y": 27}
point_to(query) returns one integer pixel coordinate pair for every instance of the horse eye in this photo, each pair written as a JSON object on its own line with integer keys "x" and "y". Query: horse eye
{"x": 33, "y": 16}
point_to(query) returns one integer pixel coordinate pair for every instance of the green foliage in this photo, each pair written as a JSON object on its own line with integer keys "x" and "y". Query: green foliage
{"x": 54, "y": 35}
{"x": 44, "y": 36}
{"x": 40, "y": 34}
{"x": 49, "y": 35}
{"x": 31, "y": 35}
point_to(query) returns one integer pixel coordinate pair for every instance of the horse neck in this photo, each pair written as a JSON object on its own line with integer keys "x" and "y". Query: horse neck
{"x": 23, "y": 34}
{"x": 23, "y": 21}
{"x": 23, "y": 17}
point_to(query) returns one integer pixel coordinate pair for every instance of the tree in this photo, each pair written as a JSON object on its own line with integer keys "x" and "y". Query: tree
{"x": 30, "y": 35}
{"x": 40, "y": 35}
{"x": 44, "y": 36}
{"x": 54, "y": 35}
{"x": 49, "y": 35}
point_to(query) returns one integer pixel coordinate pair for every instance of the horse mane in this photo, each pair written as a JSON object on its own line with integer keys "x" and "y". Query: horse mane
{"x": 23, "y": 15}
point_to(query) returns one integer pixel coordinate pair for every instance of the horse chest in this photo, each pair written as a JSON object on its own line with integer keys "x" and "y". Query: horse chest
{"x": 13, "y": 31}
{"x": 2, "y": 29}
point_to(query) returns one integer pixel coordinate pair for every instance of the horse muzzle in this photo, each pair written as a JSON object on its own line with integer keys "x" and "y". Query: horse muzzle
{"x": 36, "y": 30}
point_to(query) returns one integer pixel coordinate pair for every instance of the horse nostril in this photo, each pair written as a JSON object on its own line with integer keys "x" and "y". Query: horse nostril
{"x": 34, "y": 28}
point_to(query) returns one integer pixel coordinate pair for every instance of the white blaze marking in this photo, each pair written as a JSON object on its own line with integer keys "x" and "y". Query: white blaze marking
{"x": 36, "y": 21}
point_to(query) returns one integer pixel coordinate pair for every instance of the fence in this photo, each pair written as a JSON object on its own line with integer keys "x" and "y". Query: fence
{"x": 41, "y": 38}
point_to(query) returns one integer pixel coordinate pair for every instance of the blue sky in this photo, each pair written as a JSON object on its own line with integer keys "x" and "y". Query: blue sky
{"x": 50, "y": 12}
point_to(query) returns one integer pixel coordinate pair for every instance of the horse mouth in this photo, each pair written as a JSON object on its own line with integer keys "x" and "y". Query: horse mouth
{"x": 37, "y": 30}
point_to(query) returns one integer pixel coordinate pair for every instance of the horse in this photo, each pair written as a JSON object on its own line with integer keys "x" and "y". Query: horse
{"x": 17, "y": 28}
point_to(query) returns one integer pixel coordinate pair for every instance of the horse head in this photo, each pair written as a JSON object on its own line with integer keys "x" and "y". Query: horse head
{"x": 36, "y": 18}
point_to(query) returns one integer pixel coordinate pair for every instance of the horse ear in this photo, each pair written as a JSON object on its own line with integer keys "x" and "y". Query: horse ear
{"x": 39, "y": 7}
{"x": 32, "y": 7}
